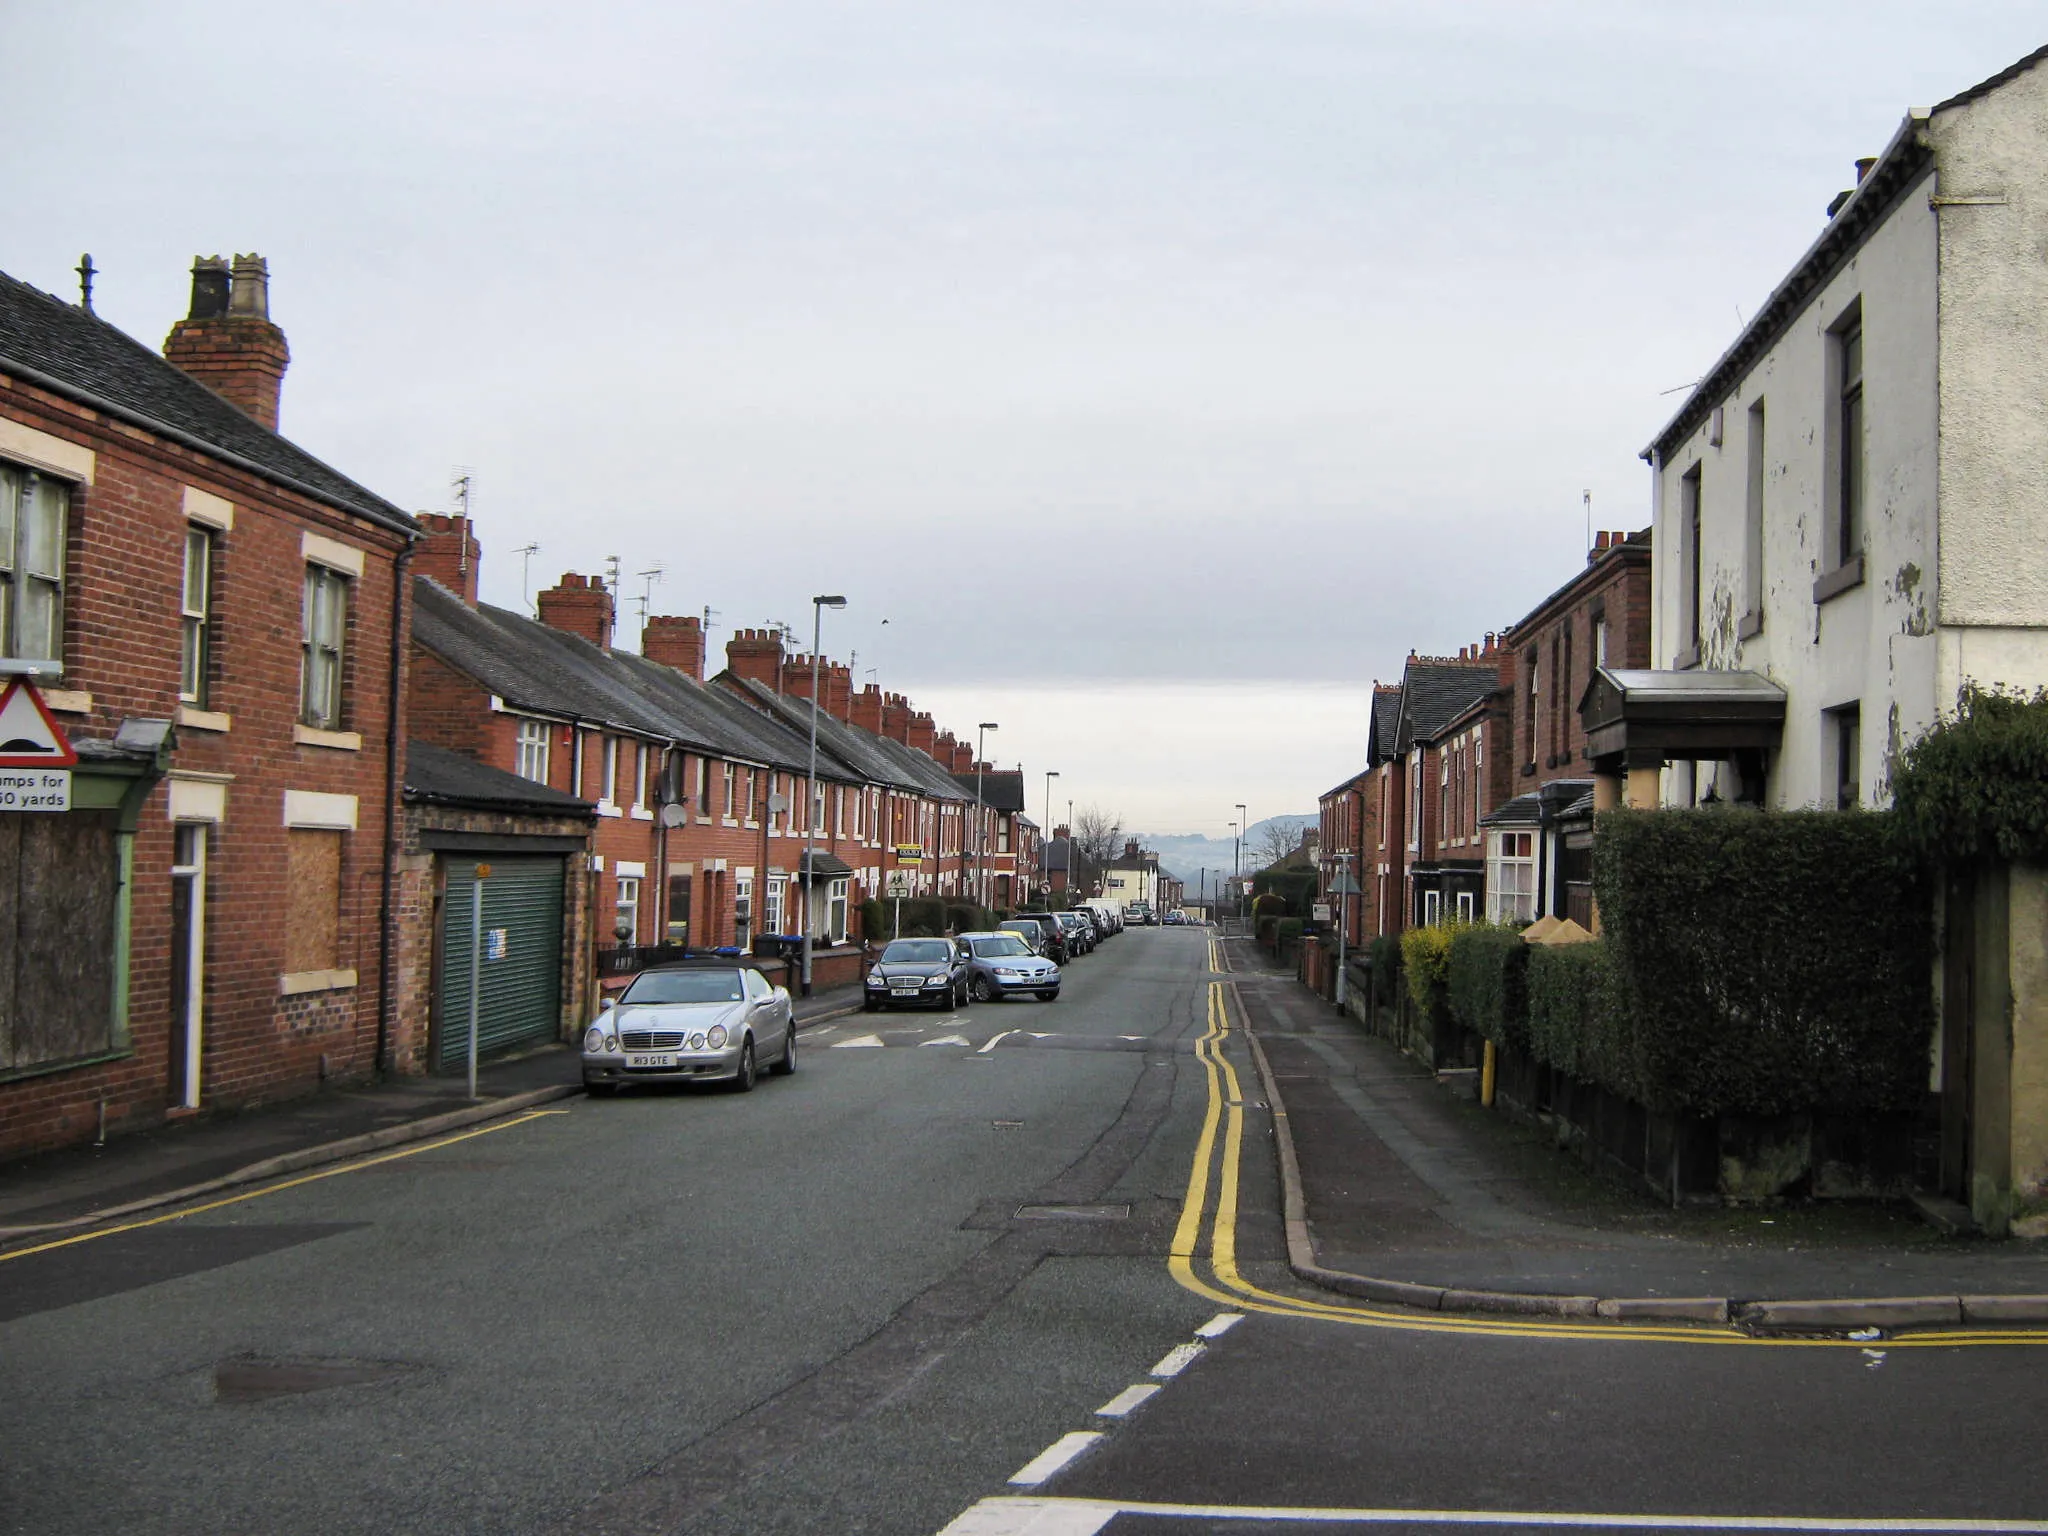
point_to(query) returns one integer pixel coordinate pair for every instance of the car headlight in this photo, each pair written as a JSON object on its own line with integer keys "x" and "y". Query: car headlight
{"x": 716, "y": 1038}
{"x": 935, "y": 981}
{"x": 874, "y": 978}
{"x": 611, "y": 1042}
{"x": 696, "y": 1042}
{"x": 593, "y": 1040}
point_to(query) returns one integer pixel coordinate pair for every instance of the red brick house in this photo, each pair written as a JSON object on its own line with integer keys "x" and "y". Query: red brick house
{"x": 218, "y": 620}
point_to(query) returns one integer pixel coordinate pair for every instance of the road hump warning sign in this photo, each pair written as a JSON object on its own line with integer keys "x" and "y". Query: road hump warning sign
{"x": 29, "y": 736}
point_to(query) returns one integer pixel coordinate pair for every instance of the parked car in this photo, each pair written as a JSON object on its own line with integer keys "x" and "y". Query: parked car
{"x": 927, "y": 971}
{"x": 1139, "y": 913}
{"x": 1053, "y": 944}
{"x": 1109, "y": 915}
{"x": 1174, "y": 919}
{"x": 1081, "y": 935}
{"x": 1002, "y": 964}
{"x": 690, "y": 1022}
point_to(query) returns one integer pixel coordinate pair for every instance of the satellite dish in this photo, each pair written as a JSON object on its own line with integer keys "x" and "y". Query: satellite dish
{"x": 673, "y": 815}
{"x": 777, "y": 804}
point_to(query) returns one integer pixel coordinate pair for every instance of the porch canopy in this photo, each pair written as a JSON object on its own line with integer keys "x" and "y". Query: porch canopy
{"x": 1644, "y": 719}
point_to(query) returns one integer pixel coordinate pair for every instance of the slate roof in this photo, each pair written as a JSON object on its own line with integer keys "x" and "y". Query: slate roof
{"x": 60, "y": 347}
{"x": 1002, "y": 789}
{"x": 870, "y": 758}
{"x": 1386, "y": 722}
{"x": 436, "y": 776}
{"x": 537, "y": 668}
{"x": 1435, "y": 693}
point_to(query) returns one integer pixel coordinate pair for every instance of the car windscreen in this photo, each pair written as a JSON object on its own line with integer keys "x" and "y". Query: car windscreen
{"x": 999, "y": 949}
{"x": 918, "y": 951}
{"x": 707, "y": 986}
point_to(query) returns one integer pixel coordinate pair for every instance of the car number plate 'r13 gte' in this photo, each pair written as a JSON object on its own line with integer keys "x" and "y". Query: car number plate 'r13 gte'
{"x": 650, "y": 1059}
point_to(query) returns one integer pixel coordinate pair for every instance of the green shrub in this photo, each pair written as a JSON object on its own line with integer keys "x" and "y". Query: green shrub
{"x": 1578, "y": 1021}
{"x": 1426, "y": 962}
{"x": 1295, "y": 889}
{"x": 966, "y": 917}
{"x": 1976, "y": 785}
{"x": 1769, "y": 963}
{"x": 1288, "y": 931}
{"x": 1385, "y": 951}
{"x": 1486, "y": 981}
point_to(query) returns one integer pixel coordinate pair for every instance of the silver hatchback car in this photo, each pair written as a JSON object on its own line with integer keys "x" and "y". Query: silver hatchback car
{"x": 694, "y": 1022}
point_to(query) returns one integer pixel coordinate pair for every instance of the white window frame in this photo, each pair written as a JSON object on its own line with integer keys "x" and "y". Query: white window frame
{"x": 195, "y": 614}
{"x": 534, "y": 739}
{"x": 641, "y": 751}
{"x": 703, "y": 795}
{"x": 608, "y": 797}
{"x": 1432, "y": 908}
{"x": 835, "y": 909}
{"x": 775, "y": 904}
{"x": 31, "y": 565}
{"x": 1511, "y": 900}
{"x": 325, "y": 608}
{"x": 732, "y": 776}
{"x": 627, "y": 901}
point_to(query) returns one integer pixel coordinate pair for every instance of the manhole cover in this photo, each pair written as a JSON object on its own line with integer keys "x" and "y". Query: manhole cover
{"x": 1073, "y": 1212}
{"x": 249, "y": 1381}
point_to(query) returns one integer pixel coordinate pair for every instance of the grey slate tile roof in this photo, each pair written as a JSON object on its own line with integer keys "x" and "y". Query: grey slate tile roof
{"x": 56, "y": 345}
{"x": 1433, "y": 694}
{"x": 870, "y": 758}
{"x": 1386, "y": 724}
{"x": 536, "y": 668}
{"x": 1001, "y": 789}
{"x": 436, "y": 776}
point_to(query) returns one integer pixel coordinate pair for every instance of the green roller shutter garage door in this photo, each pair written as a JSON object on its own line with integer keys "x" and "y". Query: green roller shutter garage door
{"x": 520, "y": 1000}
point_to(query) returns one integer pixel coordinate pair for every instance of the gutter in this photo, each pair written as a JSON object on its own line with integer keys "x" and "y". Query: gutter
{"x": 393, "y": 520}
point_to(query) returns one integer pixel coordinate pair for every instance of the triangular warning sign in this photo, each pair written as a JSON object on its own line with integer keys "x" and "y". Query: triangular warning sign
{"x": 29, "y": 737}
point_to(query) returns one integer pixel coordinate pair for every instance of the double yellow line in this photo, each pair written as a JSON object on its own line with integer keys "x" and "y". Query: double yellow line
{"x": 1220, "y": 1170}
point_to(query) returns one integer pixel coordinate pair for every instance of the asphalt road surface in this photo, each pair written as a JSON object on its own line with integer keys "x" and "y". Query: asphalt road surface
{"x": 1003, "y": 1271}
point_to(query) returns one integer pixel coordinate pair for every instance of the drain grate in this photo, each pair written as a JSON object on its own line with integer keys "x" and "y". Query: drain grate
{"x": 253, "y": 1381}
{"x": 1073, "y": 1212}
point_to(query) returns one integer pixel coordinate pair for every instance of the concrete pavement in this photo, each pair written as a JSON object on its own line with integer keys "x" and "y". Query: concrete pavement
{"x": 1408, "y": 1192}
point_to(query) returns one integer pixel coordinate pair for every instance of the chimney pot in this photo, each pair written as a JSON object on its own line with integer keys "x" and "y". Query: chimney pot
{"x": 228, "y": 342}
{"x": 1863, "y": 166}
{"x": 209, "y": 288}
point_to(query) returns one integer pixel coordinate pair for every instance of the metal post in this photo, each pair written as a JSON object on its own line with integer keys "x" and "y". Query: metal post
{"x": 1244, "y": 828}
{"x": 980, "y": 818}
{"x": 809, "y": 874}
{"x": 476, "y": 965}
{"x": 1045, "y": 843}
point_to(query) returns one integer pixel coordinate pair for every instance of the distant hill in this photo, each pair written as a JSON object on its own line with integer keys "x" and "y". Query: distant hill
{"x": 1186, "y": 856}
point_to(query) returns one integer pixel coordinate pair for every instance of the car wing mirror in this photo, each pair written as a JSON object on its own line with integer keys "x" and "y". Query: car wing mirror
{"x": 607, "y": 1002}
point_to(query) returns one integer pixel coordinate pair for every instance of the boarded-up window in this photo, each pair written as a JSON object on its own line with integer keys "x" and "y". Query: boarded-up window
{"x": 312, "y": 940}
{"x": 59, "y": 880}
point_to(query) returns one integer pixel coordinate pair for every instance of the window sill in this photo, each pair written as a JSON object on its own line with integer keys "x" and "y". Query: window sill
{"x": 69, "y": 1064}
{"x": 641, "y": 813}
{"x": 68, "y": 701}
{"x": 1751, "y": 626}
{"x": 204, "y": 719}
{"x": 1686, "y": 659}
{"x": 1843, "y": 578}
{"x": 606, "y": 808}
{"x": 339, "y": 741}
{"x": 293, "y": 983}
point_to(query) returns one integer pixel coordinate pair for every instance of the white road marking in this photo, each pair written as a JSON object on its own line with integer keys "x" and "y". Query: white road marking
{"x": 858, "y": 1040}
{"x": 1039, "y": 1034}
{"x": 1054, "y": 1457}
{"x": 1030, "y": 1517}
{"x": 1177, "y": 1359}
{"x": 1219, "y": 1325}
{"x": 1126, "y": 1400}
{"x": 1130, "y": 1037}
{"x": 1012, "y": 1516}
{"x": 992, "y": 1042}
{"x": 945, "y": 1040}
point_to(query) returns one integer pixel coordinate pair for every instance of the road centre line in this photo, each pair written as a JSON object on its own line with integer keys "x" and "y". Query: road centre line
{"x": 1054, "y": 1457}
{"x": 1128, "y": 1400}
{"x": 1176, "y": 1360}
{"x": 1009, "y": 1515}
{"x": 1232, "y": 1290}
{"x": 1219, "y": 1325}
{"x": 272, "y": 1189}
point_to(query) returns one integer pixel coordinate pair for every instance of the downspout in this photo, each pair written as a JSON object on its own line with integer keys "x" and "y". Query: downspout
{"x": 387, "y": 916}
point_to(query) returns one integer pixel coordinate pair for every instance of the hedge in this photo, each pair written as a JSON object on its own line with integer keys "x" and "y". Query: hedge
{"x": 1426, "y": 961}
{"x": 1295, "y": 887}
{"x": 1976, "y": 785}
{"x": 1487, "y": 981}
{"x": 923, "y": 917}
{"x": 1578, "y": 1021}
{"x": 1768, "y": 963}
{"x": 1386, "y": 968}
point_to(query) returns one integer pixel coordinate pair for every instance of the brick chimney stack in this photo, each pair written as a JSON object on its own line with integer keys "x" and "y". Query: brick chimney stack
{"x": 895, "y": 717}
{"x": 920, "y": 732}
{"x": 867, "y": 709}
{"x": 228, "y": 342}
{"x": 942, "y": 750}
{"x": 675, "y": 641}
{"x": 448, "y": 552}
{"x": 580, "y": 606}
{"x": 963, "y": 758}
{"x": 755, "y": 656}
{"x": 838, "y": 691}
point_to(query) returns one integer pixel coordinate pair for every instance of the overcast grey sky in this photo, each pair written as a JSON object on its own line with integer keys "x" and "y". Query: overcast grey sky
{"x": 1167, "y": 366}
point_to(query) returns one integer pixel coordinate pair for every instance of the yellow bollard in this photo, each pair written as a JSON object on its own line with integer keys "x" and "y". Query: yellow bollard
{"x": 1486, "y": 1077}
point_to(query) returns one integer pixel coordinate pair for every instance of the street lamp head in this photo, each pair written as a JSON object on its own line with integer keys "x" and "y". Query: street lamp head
{"x": 988, "y": 725}
{"x": 829, "y": 602}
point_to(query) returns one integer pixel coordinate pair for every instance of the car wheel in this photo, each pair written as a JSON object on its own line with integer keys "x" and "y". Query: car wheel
{"x": 1048, "y": 997}
{"x": 869, "y": 1005}
{"x": 960, "y": 993}
{"x": 744, "y": 1083}
{"x": 980, "y": 990}
{"x": 787, "y": 1065}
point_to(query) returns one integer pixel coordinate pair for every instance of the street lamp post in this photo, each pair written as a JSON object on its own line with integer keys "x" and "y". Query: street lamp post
{"x": 810, "y": 869}
{"x": 1345, "y": 888}
{"x": 1244, "y": 829}
{"x": 980, "y": 817}
{"x": 1073, "y": 864}
{"x": 1045, "y": 842}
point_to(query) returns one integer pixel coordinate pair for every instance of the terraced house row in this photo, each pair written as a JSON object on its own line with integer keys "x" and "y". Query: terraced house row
{"x": 320, "y": 784}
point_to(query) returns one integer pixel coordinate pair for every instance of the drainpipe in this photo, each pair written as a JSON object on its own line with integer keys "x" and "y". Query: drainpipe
{"x": 394, "y": 747}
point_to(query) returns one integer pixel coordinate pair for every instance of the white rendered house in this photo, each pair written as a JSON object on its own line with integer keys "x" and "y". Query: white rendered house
{"x": 1852, "y": 505}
